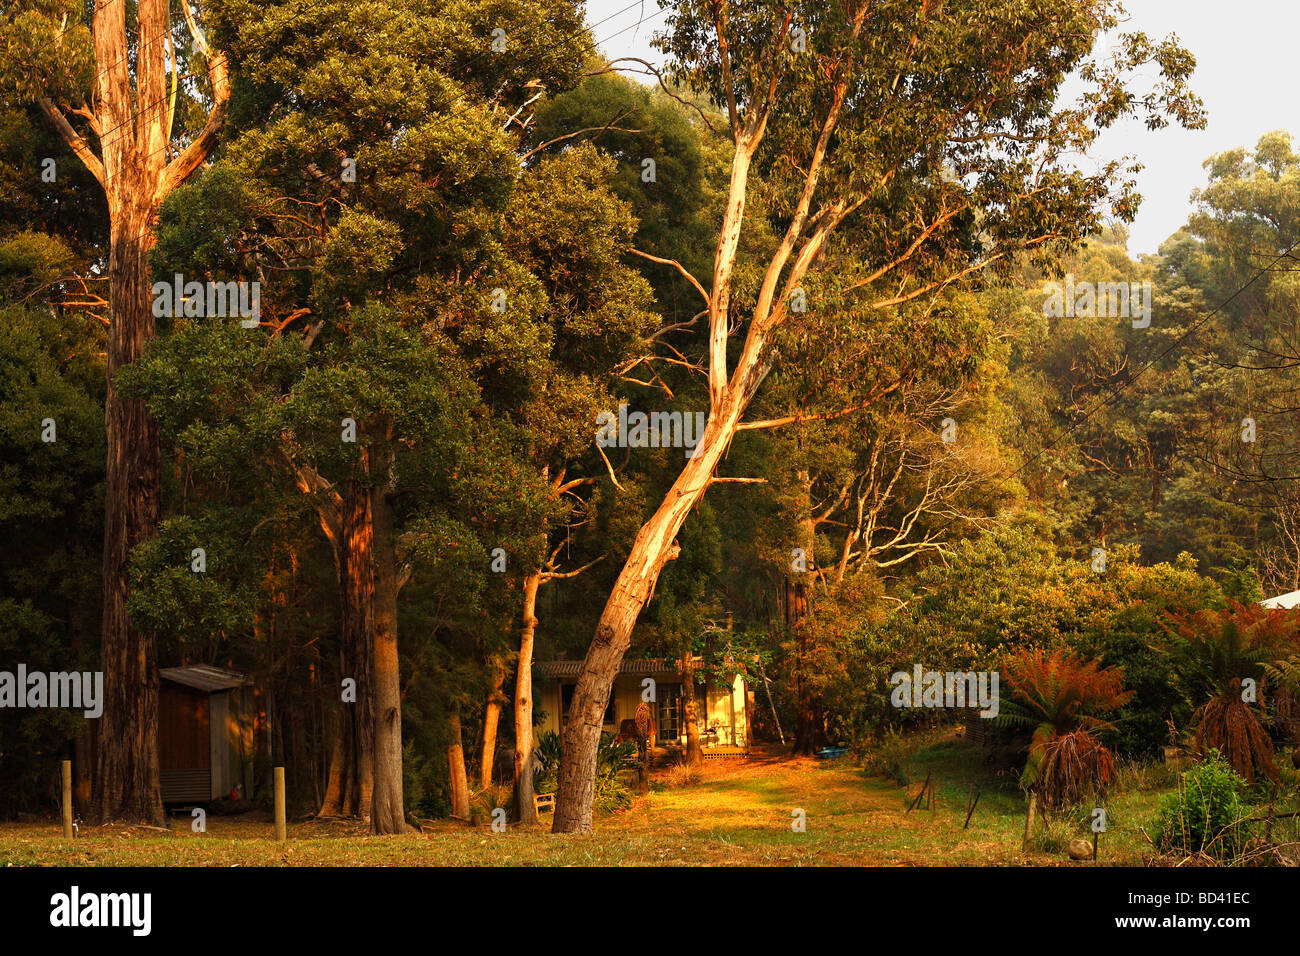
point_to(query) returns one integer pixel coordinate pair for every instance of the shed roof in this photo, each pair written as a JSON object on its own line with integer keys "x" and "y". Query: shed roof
{"x": 204, "y": 677}
{"x": 1285, "y": 601}
{"x": 645, "y": 665}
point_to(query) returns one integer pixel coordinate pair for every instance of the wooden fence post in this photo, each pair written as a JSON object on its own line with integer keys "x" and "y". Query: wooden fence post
{"x": 67, "y": 799}
{"x": 281, "y": 831}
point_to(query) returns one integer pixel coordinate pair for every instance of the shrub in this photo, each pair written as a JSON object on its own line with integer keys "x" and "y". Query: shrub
{"x": 890, "y": 758}
{"x": 1206, "y": 814}
{"x": 612, "y": 759}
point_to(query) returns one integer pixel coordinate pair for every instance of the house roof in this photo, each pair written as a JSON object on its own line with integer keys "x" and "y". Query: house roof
{"x": 204, "y": 677}
{"x": 1285, "y": 601}
{"x": 645, "y": 665}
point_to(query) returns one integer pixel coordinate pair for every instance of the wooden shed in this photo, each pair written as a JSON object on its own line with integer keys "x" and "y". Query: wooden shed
{"x": 205, "y": 733}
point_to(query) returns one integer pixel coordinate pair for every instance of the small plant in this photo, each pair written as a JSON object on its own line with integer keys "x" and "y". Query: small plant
{"x": 547, "y": 753}
{"x": 1051, "y": 839}
{"x": 1140, "y": 776}
{"x": 1207, "y": 813}
{"x": 682, "y": 774}
{"x": 891, "y": 757}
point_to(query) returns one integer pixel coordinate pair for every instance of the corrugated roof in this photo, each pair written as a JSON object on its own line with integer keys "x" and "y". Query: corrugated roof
{"x": 646, "y": 665}
{"x": 204, "y": 677}
{"x": 1286, "y": 601}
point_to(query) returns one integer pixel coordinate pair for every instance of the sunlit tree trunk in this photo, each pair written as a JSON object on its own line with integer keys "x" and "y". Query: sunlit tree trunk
{"x": 491, "y": 718}
{"x": 387, "y": 810}
{"x": 129, "y": 113}
{"x": 524, "y": 805}
{"x": 456, "y": 766}
{"x": 655, "y": 546}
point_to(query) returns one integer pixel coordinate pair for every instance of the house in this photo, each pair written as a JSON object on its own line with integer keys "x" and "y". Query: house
{"x": 205, "y": 733}
{"x": 722, "y": 707}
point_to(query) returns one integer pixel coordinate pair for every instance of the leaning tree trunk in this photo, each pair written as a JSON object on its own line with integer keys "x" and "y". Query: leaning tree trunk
{"x": 456, "y": 766}
{"x": 387, "y": 811}
{"x": 525, "y": 806}
{"x": 491, "y": 718}
{"x": 655, "y": 546}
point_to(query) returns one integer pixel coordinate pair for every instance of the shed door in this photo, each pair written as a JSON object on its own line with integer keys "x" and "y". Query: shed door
{"x": 184, "y": 741}
{"x": 184, "y": 745}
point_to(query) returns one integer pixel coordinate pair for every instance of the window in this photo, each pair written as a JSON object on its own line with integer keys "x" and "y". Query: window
{"x": 670, "y": 708}
{"x": 566, "y": 699}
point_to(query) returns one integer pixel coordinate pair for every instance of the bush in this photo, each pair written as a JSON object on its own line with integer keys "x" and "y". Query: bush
{"x": 1206, "y": 814}
{"x": 890, "y": 757}
{"x": 612, "y": 759}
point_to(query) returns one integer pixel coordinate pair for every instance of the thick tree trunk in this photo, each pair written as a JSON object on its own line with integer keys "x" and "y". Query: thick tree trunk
{"x": 525, "y": 806}
{"x": 456, "y": 765}
{"x": 130, "y": 111}
{"x": 127, "y": 782}
{"x": 690, "y": 713}
{"x": 350, "y": 786}
{"x": 655, "y": 546}
{"x": 331, "y": 804}
{"x": 387, "y": 813}
{"x": 491, "y": 718}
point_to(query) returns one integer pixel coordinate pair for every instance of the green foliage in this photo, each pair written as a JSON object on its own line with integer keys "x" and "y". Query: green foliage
{"x": 1206, "y": 814}
{"x": 889, "y": 757}
{"x": 51, "y": 528}
{"x": 613, "y": 760}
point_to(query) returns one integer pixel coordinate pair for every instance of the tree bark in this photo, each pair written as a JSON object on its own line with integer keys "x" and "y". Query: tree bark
{"x": 456, "y": 764}
{"x": 690, "y": 714}
{"x": 491, "y": 717}
{"x": 525, "y": 806}
{"x": 127, "y": 779}
{"x": 387, "y": 811}
{"x": 134, "y": 128}
{"x": 1029, "y": 820}
{"x": 349, "y": 790}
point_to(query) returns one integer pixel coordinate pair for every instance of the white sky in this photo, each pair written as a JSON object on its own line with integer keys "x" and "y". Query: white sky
{"x": 1245, "y": 73}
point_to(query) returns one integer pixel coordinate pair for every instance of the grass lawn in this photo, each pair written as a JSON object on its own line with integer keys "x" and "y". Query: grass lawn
{"x": 738, "y": 812}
